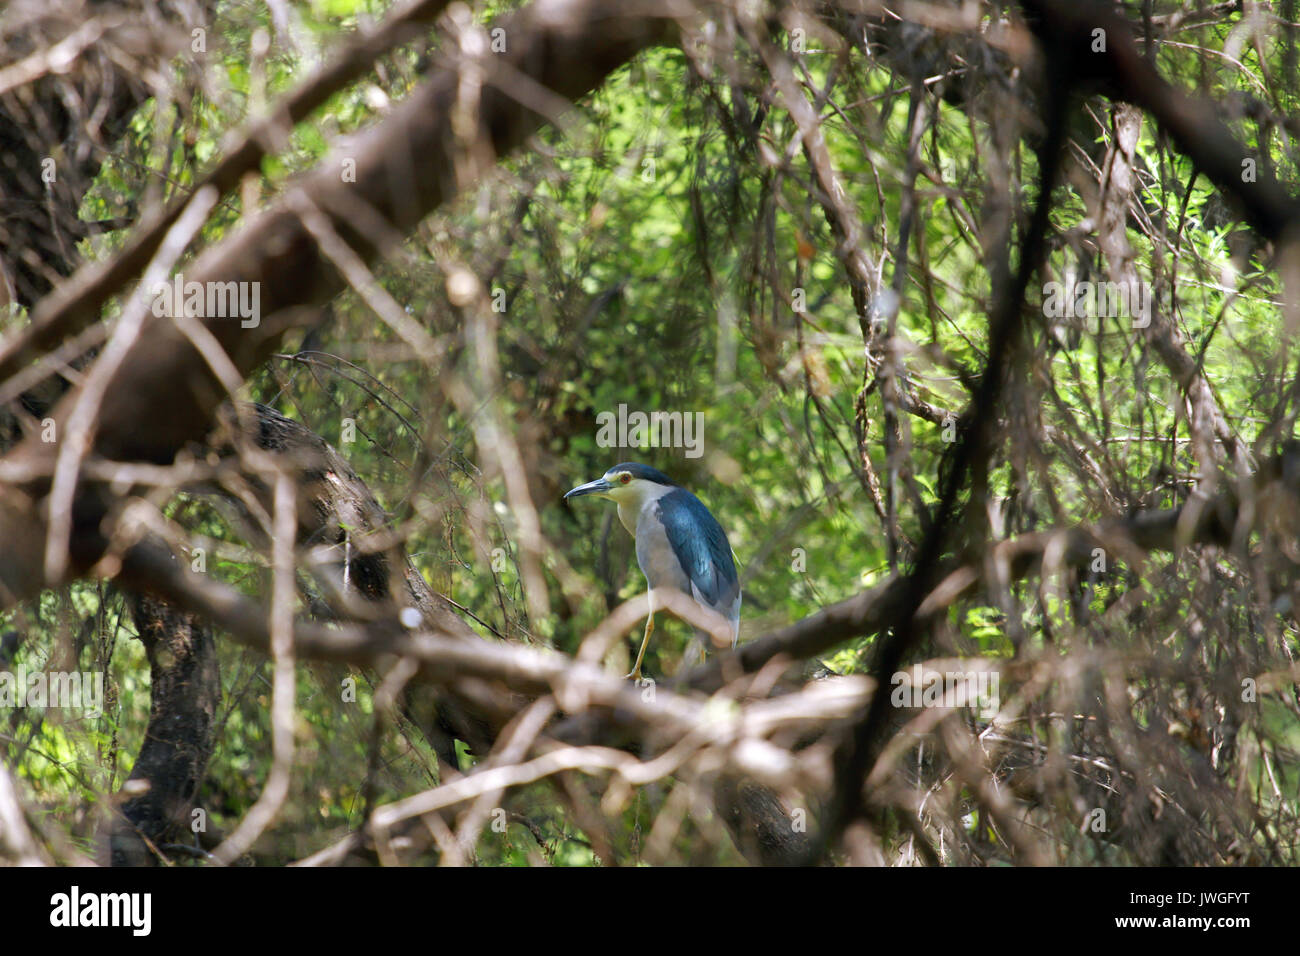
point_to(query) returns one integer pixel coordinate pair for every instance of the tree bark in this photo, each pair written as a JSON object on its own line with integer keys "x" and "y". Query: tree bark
{"x": 185, "y": 687}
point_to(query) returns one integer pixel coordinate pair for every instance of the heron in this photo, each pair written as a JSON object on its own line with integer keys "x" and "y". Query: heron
{"x": 679, "y": 543}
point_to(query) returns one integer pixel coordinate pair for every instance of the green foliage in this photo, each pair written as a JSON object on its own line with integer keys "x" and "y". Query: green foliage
{"x": 648, "y": 256}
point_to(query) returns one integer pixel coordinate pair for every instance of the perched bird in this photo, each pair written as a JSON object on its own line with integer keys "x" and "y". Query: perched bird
{"x": 678, "y": 542}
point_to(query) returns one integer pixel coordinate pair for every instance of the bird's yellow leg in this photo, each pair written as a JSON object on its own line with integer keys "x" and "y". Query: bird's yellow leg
{"x": 645, "y": 642}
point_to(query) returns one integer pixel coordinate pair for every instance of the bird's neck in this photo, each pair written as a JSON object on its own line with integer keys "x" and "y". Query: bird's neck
{"x": 629, "y": 511}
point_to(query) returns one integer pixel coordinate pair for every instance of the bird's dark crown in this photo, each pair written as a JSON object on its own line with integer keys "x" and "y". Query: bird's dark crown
{"x": 645, "y": 472}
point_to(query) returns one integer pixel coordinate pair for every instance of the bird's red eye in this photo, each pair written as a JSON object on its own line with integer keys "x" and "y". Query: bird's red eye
{"x": 625, "y": 478}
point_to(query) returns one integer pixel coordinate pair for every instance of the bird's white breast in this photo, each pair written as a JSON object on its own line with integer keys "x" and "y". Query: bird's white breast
{"x": 653, "y": 552}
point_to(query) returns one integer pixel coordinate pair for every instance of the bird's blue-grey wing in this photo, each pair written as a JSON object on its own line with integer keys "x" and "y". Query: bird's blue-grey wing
{"x": 701, "y": 546}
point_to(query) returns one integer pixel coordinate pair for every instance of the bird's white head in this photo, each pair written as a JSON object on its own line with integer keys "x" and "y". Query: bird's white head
{"x": 628, "y": 484}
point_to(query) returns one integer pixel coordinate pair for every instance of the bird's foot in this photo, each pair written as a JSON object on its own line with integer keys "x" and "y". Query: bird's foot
{"x": 633, "y": 675}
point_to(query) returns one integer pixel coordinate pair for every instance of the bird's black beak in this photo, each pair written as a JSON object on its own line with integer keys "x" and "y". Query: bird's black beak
{"x": 599, "y": 486}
